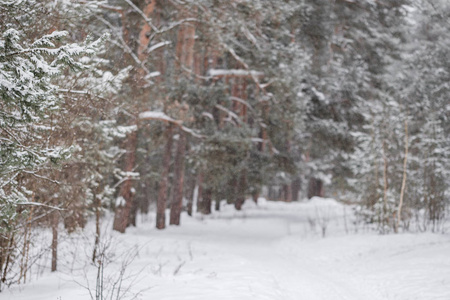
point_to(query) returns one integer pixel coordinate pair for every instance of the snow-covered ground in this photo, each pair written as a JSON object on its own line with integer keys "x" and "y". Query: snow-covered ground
{"x": 270, "y": 251}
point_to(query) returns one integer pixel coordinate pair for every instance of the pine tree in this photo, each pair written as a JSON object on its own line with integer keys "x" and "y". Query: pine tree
{"x": 29, "y": 62}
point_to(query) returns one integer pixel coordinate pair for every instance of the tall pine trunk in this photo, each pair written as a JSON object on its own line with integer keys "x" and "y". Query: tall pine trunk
{"x": 189, "y": 193}
{"x": 177, "y": 201}
{"x": 133, "y": 212}
{"x": 185, "y": 55}
{"x": 126, "y": 193}
{"x": 162, "y": 193}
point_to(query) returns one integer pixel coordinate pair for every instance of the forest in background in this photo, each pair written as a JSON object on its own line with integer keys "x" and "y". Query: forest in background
{"x": 137, "y": 106}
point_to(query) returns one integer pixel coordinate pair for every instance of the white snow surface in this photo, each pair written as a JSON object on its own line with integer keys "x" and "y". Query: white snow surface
{"x": 267, "y": 251}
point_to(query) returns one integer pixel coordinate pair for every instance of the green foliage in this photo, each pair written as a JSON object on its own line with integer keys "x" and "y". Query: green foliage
{"x": 28, "y": 66}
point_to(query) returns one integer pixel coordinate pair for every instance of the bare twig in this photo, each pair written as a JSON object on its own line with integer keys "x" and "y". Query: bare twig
{"x": 179, "y": 267}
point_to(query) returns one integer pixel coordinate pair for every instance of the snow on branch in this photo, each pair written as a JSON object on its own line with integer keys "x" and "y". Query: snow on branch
{"x": 147, "y": 20}
{"x": 160, "y": 116}
{"x": 102, "y": 5}
{"x": 158, "y": 45}
{"x": 255, "y": 76}
{"x": 229, "y": 112}
{"x": 191, "y": 132}
{"x": 234, "y": 73}
{"x": 242, "y": 101}
{"x": 234, "y": 54}
{"x": 153, "y": 74}
{"x": 40, "y": 204}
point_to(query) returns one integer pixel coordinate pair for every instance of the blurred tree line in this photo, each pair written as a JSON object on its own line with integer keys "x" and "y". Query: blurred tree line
{"x": 142, "y": 105}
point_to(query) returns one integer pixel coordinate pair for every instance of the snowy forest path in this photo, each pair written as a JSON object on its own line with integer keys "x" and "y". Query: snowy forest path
{"x": 252, "y": 260}
{"x": 275, "y": 254}
{"x": 267, "y": 252}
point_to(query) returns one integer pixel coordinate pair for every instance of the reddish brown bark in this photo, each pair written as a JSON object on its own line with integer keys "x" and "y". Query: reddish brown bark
{"x": 122, "y": 211}
{"x": 144, "y": 34}
{"x": 177, "y": 201}
{"x": 162, "y": 194}
{"x": 185, "y": 60}
{"x": 185, "y": 42}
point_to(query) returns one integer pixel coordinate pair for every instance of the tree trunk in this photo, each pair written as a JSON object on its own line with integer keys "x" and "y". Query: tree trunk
{"x": 177, "y": 201}
{"x": 126, "y": 193}
{"x": 200, "y": 192}
{"x": 217, "y": 205}
{"x": 133, "y": 212}
{"x": 147, "y": 197}
{"x": 189, "y": 194}
{"x": 185, "y": 42}
{"x": 296, "y": 187}
{"x": 385, "y": 204}
{"x": 6, "y": 254}
{"x": 97, "y": 227}
{"x": 255, "y": 196}
{"x": 315, "y": 188}
{"x": 144, "y": 34}
{"x": 205, "y": 207}
{"x": 287, "y": 191}
{"x": 55, "y": 222}
{"x": 242, "y": 187}
{"x": 402, "y": 192}
{"x": 26, "y": 246}
{"x": 162, "y": 194}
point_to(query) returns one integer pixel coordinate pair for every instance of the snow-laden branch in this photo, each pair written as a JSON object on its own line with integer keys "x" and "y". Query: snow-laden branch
{"x": 229, "y": 112}
{"x": 158, "y": 45}
{"x": 139, "y": 11}
{"x": 192, "y": 132}
{"x": 252, "y": 74}
{"x": 178, "y": 23}
{"x": 41, "y": 205}
{"x": 236, "y": 57}
{"x": 152, "y": 26}
{"x": 160, "y": 116}
{"x": 242, "y": 101}
{"x": 42, "y": 177}
{"x": 125, "y": 47}
{"x": 105, "y": 6}
{"x": 234, "y": 73}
